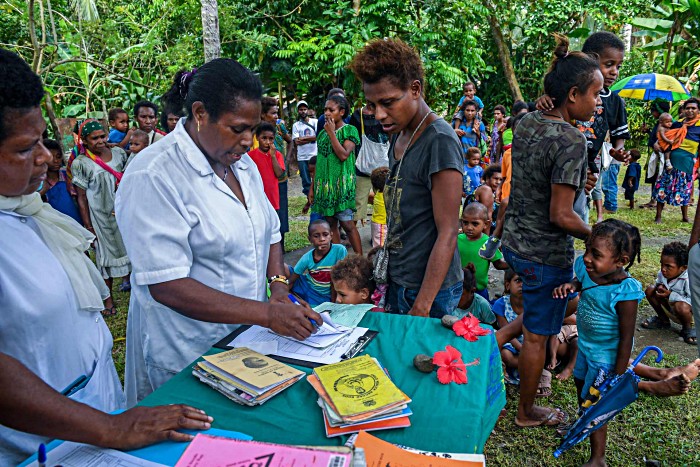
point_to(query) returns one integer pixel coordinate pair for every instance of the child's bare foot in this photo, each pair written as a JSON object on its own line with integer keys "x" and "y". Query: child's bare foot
{"x": 675, "y": 386}
{"x": 306, "y": 207}
{"x": 657, "y": 220}
{"x": 600, "y": 219}
{"x": 686, "y": 220}
{"x": 565, "y": 374}
{"x": 691, "y": 370}
{"x": 552, "y": 363}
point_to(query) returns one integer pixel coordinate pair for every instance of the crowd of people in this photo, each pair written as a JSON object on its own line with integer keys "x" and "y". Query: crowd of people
{"x": 192, "y": 218}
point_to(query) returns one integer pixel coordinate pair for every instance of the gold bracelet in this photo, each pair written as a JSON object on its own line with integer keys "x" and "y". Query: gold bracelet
{"x": 282, "y": 279}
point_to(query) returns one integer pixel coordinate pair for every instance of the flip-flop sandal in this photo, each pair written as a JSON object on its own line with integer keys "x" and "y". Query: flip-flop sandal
{"x": 689, "y": 336}
{"x": 549, "y": 420}
{"x": 109, "y": 311}
{"x": 544, "y": 386}
{"x": 656, "y": 323}
{"x": 125, "y": 287}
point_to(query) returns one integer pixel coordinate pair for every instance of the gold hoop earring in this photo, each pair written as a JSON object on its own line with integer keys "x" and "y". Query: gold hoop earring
{"x": 197, "y": 126}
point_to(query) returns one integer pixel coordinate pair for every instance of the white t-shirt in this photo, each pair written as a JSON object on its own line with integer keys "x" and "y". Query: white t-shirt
{"x": 42, "y": 327}
{"x": 301, "y": 129}
{"x": 178, "y": 219}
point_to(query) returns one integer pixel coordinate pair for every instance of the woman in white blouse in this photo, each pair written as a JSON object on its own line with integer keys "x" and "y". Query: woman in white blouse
{"x": 57, "y": 377}
{"x": 202, "y": 236}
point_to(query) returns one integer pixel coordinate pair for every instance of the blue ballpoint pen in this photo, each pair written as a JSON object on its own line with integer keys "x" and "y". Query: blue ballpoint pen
{"x": 294, "y": 300}
{"x": 41, "y": 456}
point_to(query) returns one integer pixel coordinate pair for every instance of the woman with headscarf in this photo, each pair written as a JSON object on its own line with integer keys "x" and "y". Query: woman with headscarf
{"x": 675, "y": 185}
{"x": 52, "y": 337}
{"x": 96, "y": 175}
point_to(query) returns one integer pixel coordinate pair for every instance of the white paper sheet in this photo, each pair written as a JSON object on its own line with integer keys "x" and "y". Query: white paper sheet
{"x": 69, "y": 454}
{"x": 294, "y": 349}
{"x": 262, "y": 347}
{"x": 347, "y": 315}
{"x": 325, "y": 335}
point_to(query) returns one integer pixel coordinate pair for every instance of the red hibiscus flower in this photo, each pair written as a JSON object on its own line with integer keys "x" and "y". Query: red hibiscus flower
{"x": 468, "y": 327}
{"x": 451, "y": 368}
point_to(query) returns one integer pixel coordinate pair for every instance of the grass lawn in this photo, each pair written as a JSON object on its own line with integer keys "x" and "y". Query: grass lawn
{"x": 667, "y": 430}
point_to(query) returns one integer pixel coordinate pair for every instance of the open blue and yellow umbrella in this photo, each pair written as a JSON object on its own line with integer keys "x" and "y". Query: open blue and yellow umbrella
{"x": 650, "y": 86}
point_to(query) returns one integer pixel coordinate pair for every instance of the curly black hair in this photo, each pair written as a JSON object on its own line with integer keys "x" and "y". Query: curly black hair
{"x": 148, "y": 104}
{"x": 268, "y": 102}
{"x": 518, "y": 106}
{"x": 52, "y": 145}
{"x": 356, "y": 271}
{"x": 491, "y": 170}
{"x": 389, "y": 58}
{"x": 468, "y": 103}
{"x": 624, "y": 239}
{"x": 678, "y": 251}
{"x": 601, "y": 40}
{"x": 21, "y": 89}
{"x": 378, "y": 178}
{"x": 265, "y": 126}
{"x": 114, "y": 113}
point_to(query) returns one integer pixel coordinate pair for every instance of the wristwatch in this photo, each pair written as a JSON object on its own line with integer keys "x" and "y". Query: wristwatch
{"x": 278, "y": 278}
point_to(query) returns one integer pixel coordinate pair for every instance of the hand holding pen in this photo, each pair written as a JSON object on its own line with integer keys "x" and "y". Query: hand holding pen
{"x": 292, "y": 318}
{"x": 294, "y": 300}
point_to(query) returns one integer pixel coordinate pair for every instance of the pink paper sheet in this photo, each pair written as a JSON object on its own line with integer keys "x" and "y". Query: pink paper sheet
{"x": 213, "y": 451}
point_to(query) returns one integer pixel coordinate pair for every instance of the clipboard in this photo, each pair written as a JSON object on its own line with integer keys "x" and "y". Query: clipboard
{"x": 356, "y": 348}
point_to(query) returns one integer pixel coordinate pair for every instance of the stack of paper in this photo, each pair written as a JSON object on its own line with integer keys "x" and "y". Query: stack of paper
{"x": 207, "y": 451}
{"x": 357, "y": 394}
{"x": 245, "y": 376}
{"x": 379, "y": 453}
{"x": 327, "y": 334}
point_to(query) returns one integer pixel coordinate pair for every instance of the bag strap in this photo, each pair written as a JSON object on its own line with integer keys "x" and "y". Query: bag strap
{"x": 98, "y": 160}
{"x": 362, "y": 122}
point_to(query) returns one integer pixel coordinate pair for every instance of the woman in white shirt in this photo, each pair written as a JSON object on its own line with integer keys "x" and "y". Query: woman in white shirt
{"x": 200, "y": 232}
{"x": 53, "y": 338}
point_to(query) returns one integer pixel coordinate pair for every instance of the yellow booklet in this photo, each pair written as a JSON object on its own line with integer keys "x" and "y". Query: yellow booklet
{"x": 252, "y": 368}
{"x": 358, "y": 385}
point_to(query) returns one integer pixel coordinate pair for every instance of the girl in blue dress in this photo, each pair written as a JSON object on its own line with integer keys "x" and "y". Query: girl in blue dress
{"x": 607, "y": 311}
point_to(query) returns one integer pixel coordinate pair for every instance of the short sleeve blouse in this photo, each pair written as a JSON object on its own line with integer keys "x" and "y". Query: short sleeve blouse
{"x": 597, "y": 319}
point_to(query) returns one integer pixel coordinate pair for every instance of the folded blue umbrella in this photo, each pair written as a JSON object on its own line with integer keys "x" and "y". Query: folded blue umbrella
{"x": 605, "y": 402}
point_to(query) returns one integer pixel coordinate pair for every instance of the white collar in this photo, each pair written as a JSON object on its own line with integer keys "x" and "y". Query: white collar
{"x": 195, "y": 157}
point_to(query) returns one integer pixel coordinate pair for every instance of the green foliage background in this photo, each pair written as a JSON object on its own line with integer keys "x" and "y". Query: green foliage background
{"x": 134, "y": 48}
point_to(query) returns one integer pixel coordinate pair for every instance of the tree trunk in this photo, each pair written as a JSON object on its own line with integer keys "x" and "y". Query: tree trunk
{"x": 504, "y": 54}
{"x": 48, "y": 104}
{"x": 627, "y": 36}
{"x": 54, "y": 37}
{"x": 210, "y": 30}
{"x": 36, "y": 58}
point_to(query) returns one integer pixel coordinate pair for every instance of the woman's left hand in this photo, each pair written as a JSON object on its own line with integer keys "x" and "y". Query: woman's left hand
{"x": 329, "y": 126}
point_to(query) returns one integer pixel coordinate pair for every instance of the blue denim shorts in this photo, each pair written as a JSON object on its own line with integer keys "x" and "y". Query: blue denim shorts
{"x": 399, "y": 299}
{"x": 588, "y": 371}
{"x": 345, "y": 215}
{"x": 543, "y": 314}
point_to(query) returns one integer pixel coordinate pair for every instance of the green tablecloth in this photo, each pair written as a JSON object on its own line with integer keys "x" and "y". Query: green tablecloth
{"x": 447, "y": 418}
